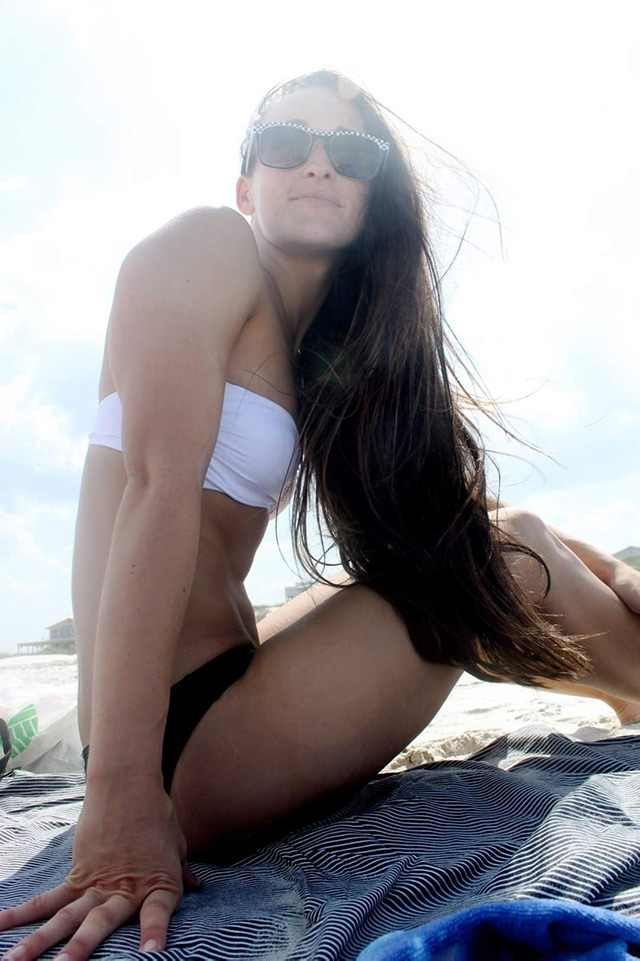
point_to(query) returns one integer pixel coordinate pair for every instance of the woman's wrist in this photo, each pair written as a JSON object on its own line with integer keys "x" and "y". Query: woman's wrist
{"x": 122, "y": 780}
{"x": 618, "y": 569}
{"x": 127, "y": 767}
{"x": 625, "y": 582}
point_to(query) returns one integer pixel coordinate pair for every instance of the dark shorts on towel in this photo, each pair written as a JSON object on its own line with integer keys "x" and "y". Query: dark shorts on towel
{"x": 190, "y": 699}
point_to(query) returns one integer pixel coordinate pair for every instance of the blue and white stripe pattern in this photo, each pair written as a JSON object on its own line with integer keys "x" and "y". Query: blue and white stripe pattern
{"x": 535, "y": 814}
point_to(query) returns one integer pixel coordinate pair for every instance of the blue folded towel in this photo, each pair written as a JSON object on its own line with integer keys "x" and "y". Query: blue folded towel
{"x": 556, "y": 930}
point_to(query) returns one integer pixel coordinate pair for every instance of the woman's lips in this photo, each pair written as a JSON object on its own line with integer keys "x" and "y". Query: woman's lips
{"x": 316, "y": 201}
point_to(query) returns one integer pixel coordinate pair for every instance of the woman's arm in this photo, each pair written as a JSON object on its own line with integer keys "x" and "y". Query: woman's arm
{"x": 620, "y": 577}
{"x": 182, "y": 297}
{"x": 144, "y": 596}
{"x": 603, "y": 565}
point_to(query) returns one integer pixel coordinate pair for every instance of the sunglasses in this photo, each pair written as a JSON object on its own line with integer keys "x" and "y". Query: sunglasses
{"x": 284, "y": 145}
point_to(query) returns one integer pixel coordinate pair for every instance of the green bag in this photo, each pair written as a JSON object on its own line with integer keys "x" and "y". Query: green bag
{"x": 23, "y": 727}
{"x": 5, "y": 744}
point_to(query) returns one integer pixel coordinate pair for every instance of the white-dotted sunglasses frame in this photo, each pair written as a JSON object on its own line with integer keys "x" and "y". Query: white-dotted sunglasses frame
{"x": 325, "y": 135}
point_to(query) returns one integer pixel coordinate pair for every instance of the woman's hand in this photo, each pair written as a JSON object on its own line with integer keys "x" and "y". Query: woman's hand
{"x": 129, "y": 855}
{"x": 626, "y": 584}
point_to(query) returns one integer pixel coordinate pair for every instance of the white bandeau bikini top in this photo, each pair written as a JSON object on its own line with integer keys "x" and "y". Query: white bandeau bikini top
{"x": 256, "y": 453}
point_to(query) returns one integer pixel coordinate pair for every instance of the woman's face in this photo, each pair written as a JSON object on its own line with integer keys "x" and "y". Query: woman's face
{"x": 271, "y": 196}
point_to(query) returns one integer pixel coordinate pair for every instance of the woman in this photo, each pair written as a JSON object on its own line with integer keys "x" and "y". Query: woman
{"x": 203, "y": 726}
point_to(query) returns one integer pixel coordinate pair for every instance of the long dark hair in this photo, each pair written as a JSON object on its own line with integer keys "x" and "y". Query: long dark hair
{"x": 392, "y": 469}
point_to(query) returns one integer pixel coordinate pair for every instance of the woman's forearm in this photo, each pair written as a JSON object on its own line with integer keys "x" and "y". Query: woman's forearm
{"x": 145, "y": 592}
{"x": 600, "y": 563}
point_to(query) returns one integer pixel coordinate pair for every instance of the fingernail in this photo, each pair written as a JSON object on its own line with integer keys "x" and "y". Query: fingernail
{"x": 16, "y": 954}
{"x": 150, "y": 946}
{"x": 62, "y": 957}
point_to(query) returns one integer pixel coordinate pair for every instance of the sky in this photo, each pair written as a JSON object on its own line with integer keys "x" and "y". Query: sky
{"x": 119, "y": 116}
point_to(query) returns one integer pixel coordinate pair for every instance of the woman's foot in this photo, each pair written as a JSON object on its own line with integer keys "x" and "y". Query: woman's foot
{"x": 628, "y": 712}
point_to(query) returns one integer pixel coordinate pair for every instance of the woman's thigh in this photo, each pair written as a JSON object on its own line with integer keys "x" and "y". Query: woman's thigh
{"x": 324, "y": 705}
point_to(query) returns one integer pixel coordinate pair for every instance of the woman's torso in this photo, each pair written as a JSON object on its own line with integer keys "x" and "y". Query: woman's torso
{"x": 219, "y": 614}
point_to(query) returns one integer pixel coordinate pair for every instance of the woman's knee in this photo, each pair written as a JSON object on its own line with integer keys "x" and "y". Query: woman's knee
{"x": 526, "y": 527}
{"x": 519, "y": 522}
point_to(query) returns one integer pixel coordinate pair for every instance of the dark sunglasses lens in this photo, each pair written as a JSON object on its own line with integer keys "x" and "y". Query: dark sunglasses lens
{"x": 283, "y": 146}
{"x": 356, "y": 157}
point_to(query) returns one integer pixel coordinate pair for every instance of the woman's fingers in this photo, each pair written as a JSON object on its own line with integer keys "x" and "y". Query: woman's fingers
{"x": 93, "y": 921}
{"x": 38, "y": 908}
{"x": 626, "y": 584}
{"x": 98, "y": 924}
{"x": 155, "y": 915}
{"x": 66, "y": 921}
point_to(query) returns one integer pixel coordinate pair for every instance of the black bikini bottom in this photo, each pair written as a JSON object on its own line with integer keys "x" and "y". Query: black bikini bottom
{"x": 189, "y": 700}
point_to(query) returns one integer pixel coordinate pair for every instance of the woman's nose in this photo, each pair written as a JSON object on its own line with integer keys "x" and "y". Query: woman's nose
{"x": 318, "y": 157}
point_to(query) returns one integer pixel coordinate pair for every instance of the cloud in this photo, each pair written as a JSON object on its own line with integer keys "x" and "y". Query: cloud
{"x": 601, "y": 514}
{"x": 35, "y": 568}
{"x": 36, "y": 430}
{"x": 22, "y": 530}
{"x": 13, "y": 183}
{"x": 61, "y": 273}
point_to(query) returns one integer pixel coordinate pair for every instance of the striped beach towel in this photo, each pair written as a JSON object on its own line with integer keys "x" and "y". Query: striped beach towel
{"x": 534, "y": 814}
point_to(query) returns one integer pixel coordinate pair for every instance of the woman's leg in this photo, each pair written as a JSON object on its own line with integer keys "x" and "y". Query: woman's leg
{"x": 324, "y": 705}
{"x": 579, "y": 603}
{"x": 335, "y": 693}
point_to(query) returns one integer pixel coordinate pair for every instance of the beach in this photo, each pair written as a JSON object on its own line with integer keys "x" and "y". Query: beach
{"x": 477, "y": 712}
{"x": 474, "y": 714}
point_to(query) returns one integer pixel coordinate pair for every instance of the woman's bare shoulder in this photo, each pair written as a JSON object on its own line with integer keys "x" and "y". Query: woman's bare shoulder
{"x": 182, "y": 298}
{"x": 202, "y": 225}
{"x": 204, "y": 250}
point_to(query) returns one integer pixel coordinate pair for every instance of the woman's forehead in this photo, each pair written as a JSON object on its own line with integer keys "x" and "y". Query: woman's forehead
{"x": 317, "y": 108}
